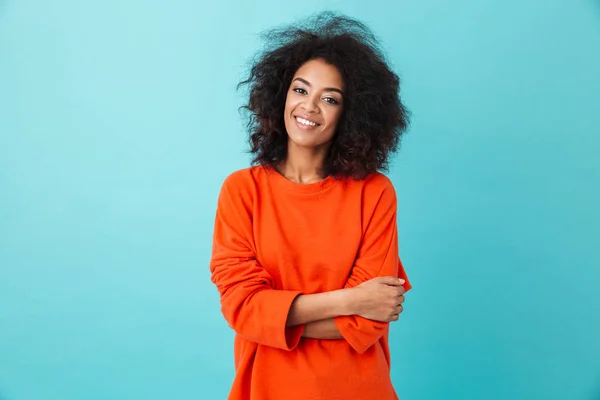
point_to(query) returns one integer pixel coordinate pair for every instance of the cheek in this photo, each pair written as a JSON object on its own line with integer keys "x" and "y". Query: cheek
{"x": 334, "y": 118}
{"x": 290, "y": 104}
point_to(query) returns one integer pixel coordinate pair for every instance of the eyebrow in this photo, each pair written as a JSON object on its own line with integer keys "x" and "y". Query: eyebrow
{"x": 329, "y": 89}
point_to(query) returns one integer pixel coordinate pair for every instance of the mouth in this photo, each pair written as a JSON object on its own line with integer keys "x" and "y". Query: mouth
{"x": 305, "y": 123}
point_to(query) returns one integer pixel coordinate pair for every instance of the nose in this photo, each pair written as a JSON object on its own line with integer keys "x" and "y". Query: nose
{"x": 310, "y": 104}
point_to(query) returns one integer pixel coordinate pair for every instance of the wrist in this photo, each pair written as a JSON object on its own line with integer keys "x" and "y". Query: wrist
{"x": 348, "y": 303}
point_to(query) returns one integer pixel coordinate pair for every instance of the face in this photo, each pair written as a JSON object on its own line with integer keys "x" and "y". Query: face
{"x": 314, "y": 105}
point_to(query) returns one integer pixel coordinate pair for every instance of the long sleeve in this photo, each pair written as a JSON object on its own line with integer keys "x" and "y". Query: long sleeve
{"x": 377, "y": 256}
{"x": 249, "y": 303}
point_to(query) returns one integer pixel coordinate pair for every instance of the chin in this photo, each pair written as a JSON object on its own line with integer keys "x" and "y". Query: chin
{"x": 306, "y": 143}
{"x": 303, "y": 142}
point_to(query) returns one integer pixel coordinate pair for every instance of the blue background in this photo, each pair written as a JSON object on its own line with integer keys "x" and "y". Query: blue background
{"x": 119, "y": 121}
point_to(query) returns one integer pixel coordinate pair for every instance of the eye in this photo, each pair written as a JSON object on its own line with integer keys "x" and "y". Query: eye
{"x": 331, "y": 100}
{"x": 300, "y": 90}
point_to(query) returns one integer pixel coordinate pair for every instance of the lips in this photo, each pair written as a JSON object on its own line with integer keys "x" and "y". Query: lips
{"x": 304, "y": 122}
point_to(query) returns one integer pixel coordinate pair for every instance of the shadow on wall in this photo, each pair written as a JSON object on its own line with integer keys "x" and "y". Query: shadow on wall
{"x": 596, "y": 394}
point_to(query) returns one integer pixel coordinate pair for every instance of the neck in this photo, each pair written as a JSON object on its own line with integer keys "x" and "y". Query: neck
{"x": 303, "y": 165}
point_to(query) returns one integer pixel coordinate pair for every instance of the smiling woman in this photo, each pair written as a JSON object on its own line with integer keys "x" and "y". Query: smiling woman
{"x": 312, "y": 110}
{"x": 305, "y": 248}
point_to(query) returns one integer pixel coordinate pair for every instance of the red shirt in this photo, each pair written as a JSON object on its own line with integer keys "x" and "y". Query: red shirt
{"x": 274, "y": 240}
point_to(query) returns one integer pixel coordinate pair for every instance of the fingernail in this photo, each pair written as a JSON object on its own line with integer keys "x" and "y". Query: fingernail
{"x": 401, "y": 280}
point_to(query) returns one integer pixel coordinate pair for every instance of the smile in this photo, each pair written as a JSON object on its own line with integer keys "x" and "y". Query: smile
{"x": 306, "y": 122}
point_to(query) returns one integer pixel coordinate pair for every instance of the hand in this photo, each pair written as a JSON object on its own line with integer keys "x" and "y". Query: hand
{"x": 379, "y": 299}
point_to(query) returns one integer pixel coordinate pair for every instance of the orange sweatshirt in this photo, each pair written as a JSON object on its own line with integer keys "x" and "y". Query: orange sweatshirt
{"x": 274, "y": 240}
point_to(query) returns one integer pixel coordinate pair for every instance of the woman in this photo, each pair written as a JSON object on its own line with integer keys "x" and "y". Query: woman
{"x": 305, "y": 251}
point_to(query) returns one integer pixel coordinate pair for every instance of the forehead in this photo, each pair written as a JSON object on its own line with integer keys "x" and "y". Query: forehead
{"x": 320, "y": 73}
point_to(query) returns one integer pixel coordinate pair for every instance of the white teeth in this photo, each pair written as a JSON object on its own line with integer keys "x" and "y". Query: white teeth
{"x": 305, "y": 122}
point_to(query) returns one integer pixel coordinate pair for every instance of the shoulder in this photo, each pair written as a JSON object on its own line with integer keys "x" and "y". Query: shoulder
{"x": 378, "y": 181}
{"x": 377, "y": 193}
{"x": 243, "y": 182}
{"x": 239, "y": 177}
{"x": 378, "y": 185}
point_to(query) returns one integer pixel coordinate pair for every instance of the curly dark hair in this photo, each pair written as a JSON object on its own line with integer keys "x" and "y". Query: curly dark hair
{"x": 373, "y": 118}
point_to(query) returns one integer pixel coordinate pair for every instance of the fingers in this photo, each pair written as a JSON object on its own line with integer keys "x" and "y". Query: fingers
{"x": 394, "y": 283}
{"x": 396, "y": 315}
{"x": 395, "y": 294}
{"x": 391, "y": 280}
{"x": 396, "y": 291}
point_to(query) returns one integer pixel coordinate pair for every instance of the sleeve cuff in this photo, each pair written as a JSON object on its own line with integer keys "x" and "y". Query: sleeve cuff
{"x": 358, "y": 340}
{"x": 275, "y": 319}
